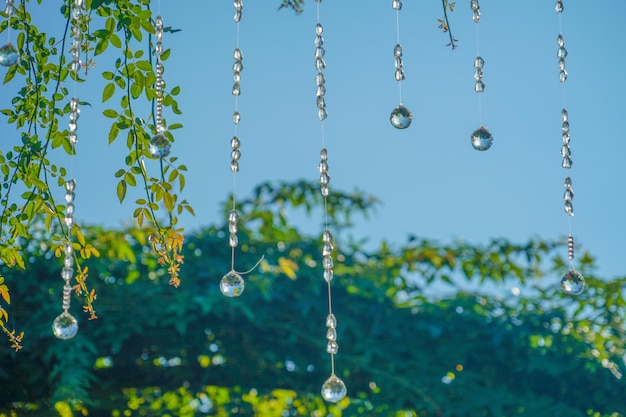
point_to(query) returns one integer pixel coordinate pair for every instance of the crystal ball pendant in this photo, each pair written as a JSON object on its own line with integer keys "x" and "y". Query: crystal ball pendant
{"x": 481, "y": 139}
{"x": 334, "y": 389}
{"x": 401, "y": 117}
{"x": 8, "y": 55}
{"x": 232, "y": 285}
{"x": 573, "y": 283}
{"x": 159, "y": 146}
{"x": 65, "y": 326}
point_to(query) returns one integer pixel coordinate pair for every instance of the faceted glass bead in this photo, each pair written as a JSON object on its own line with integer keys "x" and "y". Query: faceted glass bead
{"x": 399, "y": 63}
{"x": 566, "y": 138}
{"x": 237, "y": 16}
{"x": 319, "y": 79}
{"x": 324, "y": 179}
{"x": 328, "y": 275}
{"x": 399, "y": 75}
{"x": 397, "y": 50}
{"x": 561, "y": 63}
{"x": 319, "y": 29}
{"x": 232, "y": 228}
{"x": 65, "y": 326}
{"x": 236, "y": 89}
{"x": 321, "y": 103}
{"x": 321, "y": 91}
{"x": 561, "y": 53}
{"x": 322, "y": 167}
{"x": 568, "y": 195}
{"x": 569, "y": 207}
{"x": 236, "y": 117}
{"x": 563, "y": 76}
{"x": 327, "y": 262}
{"x": 238, "y": 66}
{"x": 479, "y": 87}
{"x": 320, "y": 64}
{"x": 560, "y": 41}
{"x": 481, "y": 139}
{"x": 67, "y": 273}
{"x": 237, "y": 54}
{"x": 327, "y": 249}
{"x": 159, "y": 146}
{"x": 331, "y": 334}
{"x": 564, "y": 115}
{"x": 401, "y": 117}
{"x": 233, "y": 241}
{"x": 334, "y": 389}
{"x": 68, "y": 262}
{"x": 322, "y": 114}
{"x": 559, "y": 6}
{"x": 319, "y": 41}
{"x": 479, "y": 62}
{"x": 8, "y": 55}
{"x": 478, "y": 74}
{"x": 568, "y": 182}
{"x": 235, "y": 154}
{"x": 565, "y": 151}
{"x": 232, "y": 285}
{"x": 70, "y": 186}
{"x": 476, "y": 16}
{"x": 324, "y": 154}
{"x": 567, "y": 162}
{"x": 319, "y": 52}
{"x": 573, "y": 283}
{"x": 235, "y": 142}
{"x": 331, "y": 321}
{"x": 233, "y": 216}
{"x": 396, "y": 4}
{"x": 332, "y": 347}
{"x": 565, "y": 127}
{"x": 327, "y": 237}
{"x": 234, "y": 166}
{"x": 474, "y": 4}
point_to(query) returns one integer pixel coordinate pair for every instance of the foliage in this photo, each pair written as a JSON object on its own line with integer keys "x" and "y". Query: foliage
{"x": 414, "y": 339}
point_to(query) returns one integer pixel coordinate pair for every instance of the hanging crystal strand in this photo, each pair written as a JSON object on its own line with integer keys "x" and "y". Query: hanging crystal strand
{"x": 8, "y": 52}
{"x": 333, "y": 389}
{"x": 65, "y": 325}
{"x": 232, "y": 284}
{"x": 159, "y": 146}
{"x": 400, "y": 117}
{"x": 481, "y": 139}
{"x": 572, "y": 282}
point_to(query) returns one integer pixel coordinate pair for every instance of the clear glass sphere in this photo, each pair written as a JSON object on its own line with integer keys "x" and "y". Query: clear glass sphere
{"x": 481, "y": 139}
{"x": 401, "y": 117}
{"x": 334, "y": 389}
{"x": 232, "y": 285}
{"x": 573, "y": 283}
{"x": 8, "y": 55}
{"x": 65, "y": 326}
{"x": 159, "y": 146}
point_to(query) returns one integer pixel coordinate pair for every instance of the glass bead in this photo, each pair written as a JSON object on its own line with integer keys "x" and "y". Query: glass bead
{"x": 479, "y": 62}
{"x": 236, "y": 89}
{"x": 321, "y": 90}
{"x": 396, "y": 4}
{"x": 233, "y": 216}
{"x": 328, "y": 275}
{"x": 561, "y": 64}
{"x": 320, "y": 64}
{"x": 327, "y": 249}
{"x": 573, "y": 283}
{"x": 399, "y": 75}
{"x": 334, "y": 390}
{"x": 69, "y": 196}
{"x": 331, "y": 321}
{"x": 397, "y": 50}
{"x": 569, "y": 208}
{"x": 568, "y": 195}
{"x": 559, "y": 7}
{"x": 476, "y": 16}
{"x": 399, "y": 63}
{"x": 69, "y": 209}
{"x": 234, "y": 166}
{"x": 567, "y": 182}
{"x": 567, "y": 162}
{"x": 65, "y": 326}
{"x": 331, "y": 334}
{"x": 233, "y": 241}
{"x": 235, "y": 154}
{"x": 401, "y": 117}
{"x": 319, "y": 29}
{"x": 232, "y": 228}
{"x": 322, "y": 114}
{"x": 70, "y": 186}
{"x": 320, "y": 79}
{"x": 327, "y": 262}
{"x": 69, "y": 221}
{"x": 67, "y": 273}
{"x": 324, "y": 179}
{"x": 479, "y": 87}
{"x": 474, "y": 4}
{"x": 566, "y": 138}
{"x": 565, "y": 151}
{"x": 237, "y": 16}
{"x": 325, "y": 191}
{"x": 235, "y": 142}
{"x": 324, "y": 154}
{"x": 322, "y": 167}
{"x": 561, "y": 53}
{"x": 236, "y": 117}
{"x": 481, "y": 139}
{"x": 560, "y": 41}
{"x": 238, "y": 66}
{"x": 238, "y": 5}
{"x": 232, "y": 285}
{"x": 237, "y": 54}
{"x": 68, "y": 262}
{"x": 319, "y": 52}
{"x": 319, "y": 41}
{"x": 564, "y": 115}
{"x": 321, "y": 103}
{"x": 332, "y": 347}
{"x": 563, "y": 76}
{"x": 478, "y": 74}
{"x": 327, "y": 237}
{"x": 565, "y": 127}
{"x": 73, "y": 138}
{"x": 159, "y": 146}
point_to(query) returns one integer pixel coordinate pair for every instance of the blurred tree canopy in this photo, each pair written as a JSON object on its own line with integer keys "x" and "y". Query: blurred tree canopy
{"x": 424, "y": 328}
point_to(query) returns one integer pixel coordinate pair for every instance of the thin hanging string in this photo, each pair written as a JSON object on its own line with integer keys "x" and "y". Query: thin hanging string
{"x": 480, "y": 96}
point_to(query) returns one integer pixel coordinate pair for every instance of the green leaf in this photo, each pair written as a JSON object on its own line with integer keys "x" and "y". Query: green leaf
{"x": 111, "y": 114}
{"x": 121, "y": 190}
{"x": 108, "y": 91}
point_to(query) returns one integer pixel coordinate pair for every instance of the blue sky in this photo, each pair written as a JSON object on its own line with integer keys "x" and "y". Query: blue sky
{"x": 430, "y": 180}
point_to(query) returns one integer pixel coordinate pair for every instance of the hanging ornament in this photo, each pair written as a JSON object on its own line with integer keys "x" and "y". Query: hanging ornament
{"x": 481, "y": 139}
{"x": 8, "y": 52}
{"x": 333, "y": 389}
{"x": 232, "y": 284}
{"x": 573, "y": 283}
{"x": 400, "y": 117}
{"x": 159, "y": 147}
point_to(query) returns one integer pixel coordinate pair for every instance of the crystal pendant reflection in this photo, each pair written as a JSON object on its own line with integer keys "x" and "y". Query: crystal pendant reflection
{"x": 573, "y": 283}
{"x": 65, "y": 326}
{"x": 159, "y": 146}
{"x": 401, "y": 117}
{"x": 232, "y": 285}
{"x": 334, "y": 389}
{"x": 481, "y": 139}
{"x": 8, "y": 55}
